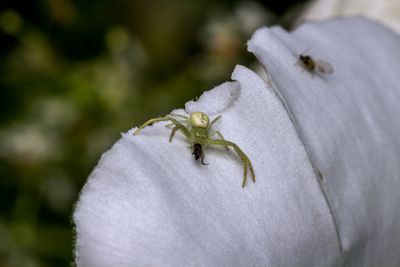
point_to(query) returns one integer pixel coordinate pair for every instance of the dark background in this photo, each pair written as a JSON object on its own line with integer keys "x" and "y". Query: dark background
{"x": 74, "y": 74}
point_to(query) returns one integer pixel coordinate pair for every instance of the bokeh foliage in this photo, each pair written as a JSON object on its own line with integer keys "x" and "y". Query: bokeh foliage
{"x": 74, "y": 74}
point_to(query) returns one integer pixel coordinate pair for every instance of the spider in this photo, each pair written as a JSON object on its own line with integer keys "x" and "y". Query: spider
{"x": 197, "y": 129}
{"x": 313, "y": 65}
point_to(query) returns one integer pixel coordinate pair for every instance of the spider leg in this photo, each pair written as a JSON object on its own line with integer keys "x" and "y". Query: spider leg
{"x": 172, "y": 124}
{"x": 182, "y": 127}
{"x": 173, "y": 132}
{"x": 246, "y": 161}
{"x": 185, "y": 130}
{"x": 149, "y": 122}
{"x": 178, "y": 115}
{"x": 181, "y": 118}
{"x": 220, "y": 136}
{"x": 214, "y": 121}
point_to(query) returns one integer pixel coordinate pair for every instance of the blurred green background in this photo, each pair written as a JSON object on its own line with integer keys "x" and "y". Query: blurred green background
{"x": 75, "y": 74}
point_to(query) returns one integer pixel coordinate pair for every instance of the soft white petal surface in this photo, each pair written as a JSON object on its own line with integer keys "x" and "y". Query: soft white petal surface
{"x": 385, "y": 11}
{"x": 350, "y": 123}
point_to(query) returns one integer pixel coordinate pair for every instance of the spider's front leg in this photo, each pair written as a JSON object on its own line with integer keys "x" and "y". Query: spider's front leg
{"x": 149, "y": 122}
{"x": 181, "y": 118}
{"x": 178, "y": 125}
{"x": 176, "y": 128}
{"x": 246, "y": 161}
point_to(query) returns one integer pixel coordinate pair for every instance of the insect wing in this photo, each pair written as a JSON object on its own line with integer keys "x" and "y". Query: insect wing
{"x": 323, "y": 66}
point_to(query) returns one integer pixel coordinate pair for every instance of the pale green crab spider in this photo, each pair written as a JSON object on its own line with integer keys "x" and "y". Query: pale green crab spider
{"x": 197, "y": 129}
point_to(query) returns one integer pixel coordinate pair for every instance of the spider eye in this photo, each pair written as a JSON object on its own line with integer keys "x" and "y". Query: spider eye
{"x": 199, "y": 119}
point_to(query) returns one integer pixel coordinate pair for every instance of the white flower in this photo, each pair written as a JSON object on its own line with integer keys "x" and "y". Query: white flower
{"x": 385, "y": 11}
{"x": 325, "y": 150}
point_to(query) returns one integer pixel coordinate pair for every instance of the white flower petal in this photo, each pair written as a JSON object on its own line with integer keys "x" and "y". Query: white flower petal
{"x": 349, "y": 121}
{"x": 148, "y": 203}
{"x": 385, "y": 11}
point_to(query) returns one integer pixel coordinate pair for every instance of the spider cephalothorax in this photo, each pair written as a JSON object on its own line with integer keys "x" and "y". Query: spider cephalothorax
{"x": 197, "y": 129}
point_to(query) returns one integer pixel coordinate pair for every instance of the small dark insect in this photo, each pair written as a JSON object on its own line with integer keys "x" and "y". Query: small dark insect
{"x": 198, "y": 153}
{"x": 313, "y": 65}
